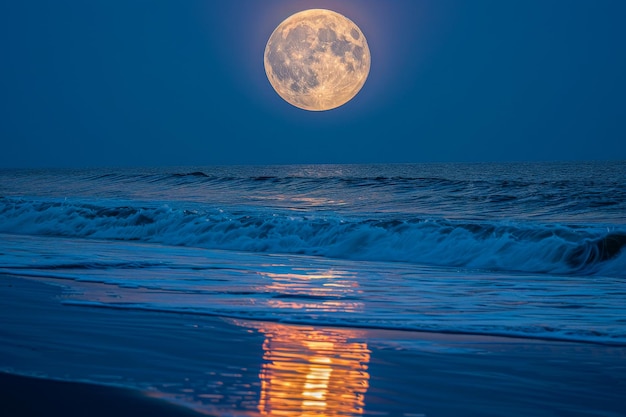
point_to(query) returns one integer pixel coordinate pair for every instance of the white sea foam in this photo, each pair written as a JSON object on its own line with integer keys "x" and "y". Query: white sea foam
{"x": 496, "y": 245}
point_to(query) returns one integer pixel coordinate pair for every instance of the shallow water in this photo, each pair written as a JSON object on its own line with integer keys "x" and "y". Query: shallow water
{"x": 322, "y": 291}
{"x": 233, "y": 367}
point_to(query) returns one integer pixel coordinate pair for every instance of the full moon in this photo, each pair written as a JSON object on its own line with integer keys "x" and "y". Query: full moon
{"x": 317, "y": 59}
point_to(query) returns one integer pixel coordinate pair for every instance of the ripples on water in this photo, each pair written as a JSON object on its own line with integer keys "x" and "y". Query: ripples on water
{"x": 566, "y": 192}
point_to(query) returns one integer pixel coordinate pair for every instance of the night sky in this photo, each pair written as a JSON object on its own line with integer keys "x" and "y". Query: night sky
{"x": 171, "y": 82}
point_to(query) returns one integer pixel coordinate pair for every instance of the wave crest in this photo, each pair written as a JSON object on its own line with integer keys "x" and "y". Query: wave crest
{"x": 523, "y": 247}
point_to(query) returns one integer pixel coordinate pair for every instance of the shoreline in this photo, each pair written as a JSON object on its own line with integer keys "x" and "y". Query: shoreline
{"x": 26, "y": 396}
{"x": 218, "y": 366}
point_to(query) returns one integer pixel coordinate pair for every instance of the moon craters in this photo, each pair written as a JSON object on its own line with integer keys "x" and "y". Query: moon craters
{"x": 317, "y": 60}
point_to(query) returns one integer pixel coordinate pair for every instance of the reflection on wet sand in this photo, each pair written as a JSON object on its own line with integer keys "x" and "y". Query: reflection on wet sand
{"x": 311, "y": 371}
{"x": 305, "y": 371}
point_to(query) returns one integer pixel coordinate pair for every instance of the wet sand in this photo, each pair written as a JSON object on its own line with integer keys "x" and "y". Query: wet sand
{"x": 182, "y": 364}
{"x": 31, "y": 397}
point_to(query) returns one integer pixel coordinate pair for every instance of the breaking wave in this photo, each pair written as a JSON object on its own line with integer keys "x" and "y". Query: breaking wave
{"x": 506, "y": 246}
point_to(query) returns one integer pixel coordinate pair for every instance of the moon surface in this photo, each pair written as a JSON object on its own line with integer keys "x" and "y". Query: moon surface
{"x": 317, "y": 59}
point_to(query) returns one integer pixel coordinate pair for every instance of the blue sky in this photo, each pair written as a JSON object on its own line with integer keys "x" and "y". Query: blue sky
{"x": 146, "y": 83}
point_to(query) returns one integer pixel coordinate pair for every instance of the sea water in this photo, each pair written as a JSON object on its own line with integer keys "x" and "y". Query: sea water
{"x": 531, "y": 250}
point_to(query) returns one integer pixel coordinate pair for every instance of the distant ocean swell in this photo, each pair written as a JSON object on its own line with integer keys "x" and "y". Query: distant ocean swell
{"x": 494, "y": 245}
{"x": 407, "y": 193}
{"x": 560, "y": 193}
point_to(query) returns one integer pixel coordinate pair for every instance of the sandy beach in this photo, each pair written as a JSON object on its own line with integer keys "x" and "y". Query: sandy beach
{"x": 181, "y": 364}
{"x": 28, "y": 397}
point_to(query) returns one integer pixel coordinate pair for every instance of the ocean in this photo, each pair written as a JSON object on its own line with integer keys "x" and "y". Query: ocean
{"x": 532, "y": 251}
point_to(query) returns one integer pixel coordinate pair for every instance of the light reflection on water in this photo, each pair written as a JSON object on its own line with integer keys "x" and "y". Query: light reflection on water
{"x": 309, "y": 371}
{"x": 304, "y": 372}
{"x": 308, "y": 290}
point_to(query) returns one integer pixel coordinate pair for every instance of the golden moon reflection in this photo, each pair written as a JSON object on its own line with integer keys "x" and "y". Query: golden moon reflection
{"x": 312, "y": 372}
{"x": 314, "y": 291}
{"x": 317, "y": 59}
